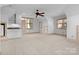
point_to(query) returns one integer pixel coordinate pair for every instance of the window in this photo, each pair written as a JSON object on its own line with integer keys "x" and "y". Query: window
{"x": 61, "y": 24}
{"x": 29, "y": 23}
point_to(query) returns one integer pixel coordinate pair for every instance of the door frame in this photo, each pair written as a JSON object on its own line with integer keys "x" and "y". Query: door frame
{"x": 3, "y": 24}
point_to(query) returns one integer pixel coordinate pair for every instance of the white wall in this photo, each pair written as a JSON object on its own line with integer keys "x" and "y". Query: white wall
{"x": 50, "y": 24}
{"x": 6, "y": 13}
{"x": 72, "y": 20}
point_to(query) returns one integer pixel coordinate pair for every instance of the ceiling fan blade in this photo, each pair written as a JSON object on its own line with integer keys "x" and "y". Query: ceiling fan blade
{"x": 42, "y": 13}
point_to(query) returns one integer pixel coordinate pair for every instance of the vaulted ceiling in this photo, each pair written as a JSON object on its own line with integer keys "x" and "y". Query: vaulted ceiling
{"x": 49, "y": 9}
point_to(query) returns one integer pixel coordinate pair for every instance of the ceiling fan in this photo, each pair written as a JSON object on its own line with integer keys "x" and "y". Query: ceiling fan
{"x": 39, "y": 13}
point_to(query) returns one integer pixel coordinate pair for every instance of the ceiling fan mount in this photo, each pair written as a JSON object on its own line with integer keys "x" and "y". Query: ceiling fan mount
{"x": 39, "y": 13}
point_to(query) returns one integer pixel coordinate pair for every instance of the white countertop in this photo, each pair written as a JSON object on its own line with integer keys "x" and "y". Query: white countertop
{"x": 13, "y": 26}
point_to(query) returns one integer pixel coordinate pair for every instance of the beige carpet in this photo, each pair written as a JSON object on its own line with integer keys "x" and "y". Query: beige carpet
{"x": 39, "y": 44}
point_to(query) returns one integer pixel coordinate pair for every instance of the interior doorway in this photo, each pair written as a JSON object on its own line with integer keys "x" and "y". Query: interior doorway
{"x": 43, "y": 28}
{"x": 40, "y": 27}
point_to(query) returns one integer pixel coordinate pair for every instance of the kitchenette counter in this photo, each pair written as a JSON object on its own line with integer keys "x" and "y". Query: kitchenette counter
{"x": 13, "y": 31}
